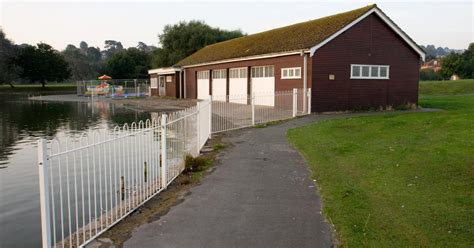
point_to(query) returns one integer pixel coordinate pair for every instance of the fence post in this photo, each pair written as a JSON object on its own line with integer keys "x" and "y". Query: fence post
{"x": 43, "y": 167}
{"x": 198, "y": 120}
{"x": 210, "y": 116}
{"x": 252, "y": 101}
{"x": 136, "y": 89}
{"x": 295, "y": 101}
{"x": 164, "y": 162}
{"x": 309, "y": 101}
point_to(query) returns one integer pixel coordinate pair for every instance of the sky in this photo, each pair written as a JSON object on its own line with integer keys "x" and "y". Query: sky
{"x": 59, "y": 23}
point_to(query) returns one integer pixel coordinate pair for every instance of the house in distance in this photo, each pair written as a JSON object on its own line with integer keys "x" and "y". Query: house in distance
{"x": 356, "y": 59}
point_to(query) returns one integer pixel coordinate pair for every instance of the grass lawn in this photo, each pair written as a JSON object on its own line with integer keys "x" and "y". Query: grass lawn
{"x": 38, "y": 88}
{"x": 465, "y": 86}
{"x": 398, "y": 179}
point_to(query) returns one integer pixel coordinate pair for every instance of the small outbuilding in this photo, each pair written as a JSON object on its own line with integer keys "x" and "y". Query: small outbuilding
{"x": 356, "y": 59}
{"x": 166, "y": 82}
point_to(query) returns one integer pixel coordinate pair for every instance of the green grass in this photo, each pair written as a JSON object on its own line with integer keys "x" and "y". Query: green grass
{"x": 399, "y": 179}
{"x": 465, "y": 86}
{"x": 37, "y": 87}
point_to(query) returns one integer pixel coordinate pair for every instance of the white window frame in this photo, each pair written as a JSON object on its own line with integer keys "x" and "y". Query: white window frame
{"x": 240, "y": 72}
{"x": 294, "y": 69}
{"x": 203, "y": 75}
{"x": 219, "y": 74}
{"x": 154, "y": 83}
{"x": 370, "y": 72}
{"x": 261, "y": 71}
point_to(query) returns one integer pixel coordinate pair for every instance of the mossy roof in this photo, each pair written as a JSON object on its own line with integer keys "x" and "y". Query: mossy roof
{"x": 295, "y": 37}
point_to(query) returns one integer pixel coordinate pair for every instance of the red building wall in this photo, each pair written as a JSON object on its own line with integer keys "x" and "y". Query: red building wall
{"x": 277, "y": 62}
{"x": 370, "y": 41}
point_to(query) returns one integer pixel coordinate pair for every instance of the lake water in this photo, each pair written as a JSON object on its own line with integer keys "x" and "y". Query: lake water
{"x": 22, "y": 123}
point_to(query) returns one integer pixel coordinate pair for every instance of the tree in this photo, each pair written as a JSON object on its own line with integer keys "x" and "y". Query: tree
{"x": 112, "y": 47}
{"x": 144, "y": 47}
{"x": 83, "y": 46}
{"x": 183, "y": 39}
{"x": 130, "y": 63}
{"x": 79, "y": 63}
{"x": 8, "y": 53}
{"x": 94, "y": 54}
{"x": 460, "y": 64}
{"x": 41, "y": 63}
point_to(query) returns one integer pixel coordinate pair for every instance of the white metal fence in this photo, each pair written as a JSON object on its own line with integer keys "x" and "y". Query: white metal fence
{"x": 90, "y": 182}
{"x": 234, "y": 112}
{"x": 114, "y": 88}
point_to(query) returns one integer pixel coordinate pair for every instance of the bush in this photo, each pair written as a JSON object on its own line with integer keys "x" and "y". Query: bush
{"x": 194, "y": 164}
{"x": 429, "y": 75}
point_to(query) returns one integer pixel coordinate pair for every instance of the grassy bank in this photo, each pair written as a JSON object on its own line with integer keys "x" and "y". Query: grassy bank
{"x": 398, "y": 180}
{"x": 24, "y": 88}
{"x": 464, "y": 86}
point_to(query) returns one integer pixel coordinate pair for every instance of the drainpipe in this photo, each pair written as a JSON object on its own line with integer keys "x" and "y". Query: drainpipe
{"x": 184, "y": 82}
{"x": 305, "y": 79}
{"x": 181, "y": 84}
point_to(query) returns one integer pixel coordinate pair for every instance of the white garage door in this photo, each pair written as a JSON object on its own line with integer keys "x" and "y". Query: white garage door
{"x": 238, "y": 85}
{"x": 263, "y": 85}
{"x": 203, "y": 85}
{"x": 219, "y": 85}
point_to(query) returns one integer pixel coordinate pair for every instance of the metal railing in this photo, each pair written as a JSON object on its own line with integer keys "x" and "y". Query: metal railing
{"x": 114, "y": 88}
{"x": 240, "y": 111}
{"x": 91, "y": 182}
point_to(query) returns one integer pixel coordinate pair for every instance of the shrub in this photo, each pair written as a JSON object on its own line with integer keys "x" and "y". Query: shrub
{"x": 194, "y": 164}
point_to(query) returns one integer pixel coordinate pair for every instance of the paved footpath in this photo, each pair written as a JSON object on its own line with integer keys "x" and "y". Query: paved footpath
{"x": 260, "y": 195}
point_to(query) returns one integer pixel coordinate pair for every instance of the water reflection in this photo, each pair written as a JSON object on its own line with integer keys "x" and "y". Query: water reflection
{"x": 22, "y": 122}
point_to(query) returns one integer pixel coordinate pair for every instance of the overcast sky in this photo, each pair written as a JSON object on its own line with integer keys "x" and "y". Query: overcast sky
{"x": 58, "y": 23}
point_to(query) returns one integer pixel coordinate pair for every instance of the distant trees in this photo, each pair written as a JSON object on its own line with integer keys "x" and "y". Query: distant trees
{"x": 432, "y": 52}
{"x": 130, "y": 63}
{"x": 460, "y": 64}
{"x": 8, "y": 52}
{"x": 82, "y": 67}
{"x": 41, "y": 63}
{"x": 183, "y": 39}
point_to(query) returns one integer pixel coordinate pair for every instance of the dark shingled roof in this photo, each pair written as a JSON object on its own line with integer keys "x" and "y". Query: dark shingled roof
{"x": 298, "y": 36}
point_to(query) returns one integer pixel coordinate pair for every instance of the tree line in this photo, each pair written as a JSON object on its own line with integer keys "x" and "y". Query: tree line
{"x": 41, "y": 63}
{"x": 433, "y": 52}
{"x": 454, "y": 63}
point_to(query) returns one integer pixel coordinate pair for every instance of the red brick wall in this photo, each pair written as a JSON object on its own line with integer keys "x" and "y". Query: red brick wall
{"x": 370, "y": 41}
{"x": 278, "y": 63}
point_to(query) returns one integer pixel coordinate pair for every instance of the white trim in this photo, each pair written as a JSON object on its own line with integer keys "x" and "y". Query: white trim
{"x": 164, "y": 70}
{"x": 386, "y": 19}
{"x": 294, "y": 72}
{"x": 264, "y": 56}
{"x": 370, "y": 72}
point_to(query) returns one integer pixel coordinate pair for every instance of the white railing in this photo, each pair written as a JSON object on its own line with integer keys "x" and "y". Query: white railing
{"x": 234, "y": 112}
{"x": 89, "y": 183}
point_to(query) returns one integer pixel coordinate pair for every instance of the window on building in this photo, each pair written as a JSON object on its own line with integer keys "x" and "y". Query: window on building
{"x": 291, "y": 73}
{"x": 263, "y": 71}
{"x": 203, "y": 75}
{"x": 238, "y": 73}
{"x": 370, "y": 71}
{"x": 219, "y": 74}
{"x": 154, "y": 83}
